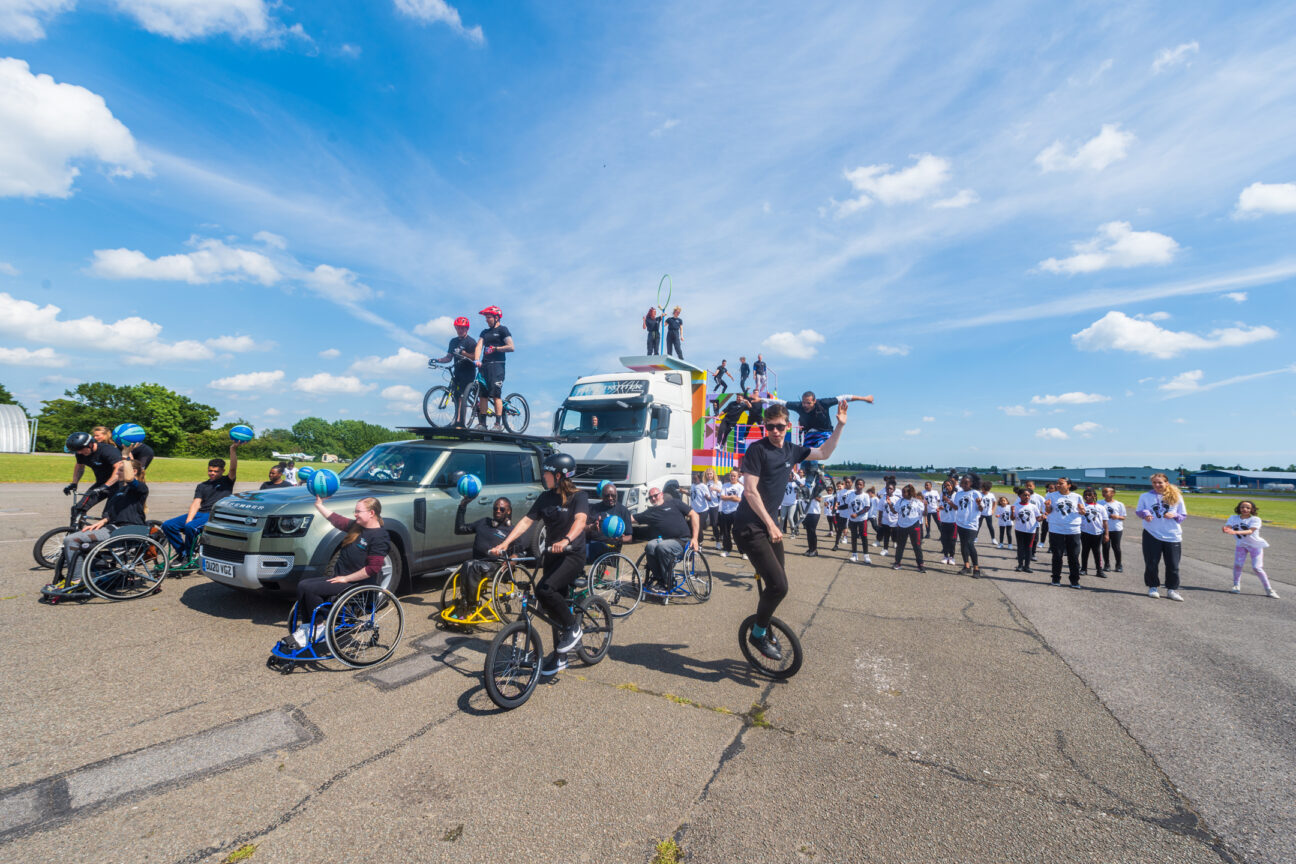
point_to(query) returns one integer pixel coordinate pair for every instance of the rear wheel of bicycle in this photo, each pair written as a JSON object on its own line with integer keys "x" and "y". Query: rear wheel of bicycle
{"x": 439, "y": 406}
{"x": 787, "y": 641}
{"x": 697, "y": 574}
{"x": 615, "y": 578}
{"x": 596, "y": 630}
{"x": 513, "y": 665}
{"x": 365, "y": 626}
{"x": 517, "y": 413}
{"x": 49, "y": 547}
{"x": 125, "y": 567}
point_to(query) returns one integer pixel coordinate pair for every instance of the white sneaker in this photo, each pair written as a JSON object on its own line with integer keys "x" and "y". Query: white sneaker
{"x": 867, "y": 559}
{"x": 1153, "y": 593}
{"x": 1174, "y": 595}
{"x": 997, "y": 546}
{"x": 744, "y": 556}
{"x": 1236, "y": 589}
{"x": 320, "y": 630}
{"x": 724, "y": 554}
{"x": 854, "y": 558}
{"x": 1272, "y": 594}
{"x": 719, "y": 546}
{"x": 299, "y": 636}
{"x": 874, "y": 543}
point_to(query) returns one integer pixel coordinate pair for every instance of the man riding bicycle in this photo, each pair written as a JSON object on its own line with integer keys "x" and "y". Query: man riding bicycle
{"x": 103, "y": 459}
{"x": 461, "y": 350}
{"x": 492, "y": 344}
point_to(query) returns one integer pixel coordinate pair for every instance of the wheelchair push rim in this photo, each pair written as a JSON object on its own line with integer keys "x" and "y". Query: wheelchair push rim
{"x": 365, "y": 626}
{"x": 126, "y": 567}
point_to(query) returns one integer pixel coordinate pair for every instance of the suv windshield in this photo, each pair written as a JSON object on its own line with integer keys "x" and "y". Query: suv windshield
{"x": 403, "y": 464}
{"x": 603, "y": 421}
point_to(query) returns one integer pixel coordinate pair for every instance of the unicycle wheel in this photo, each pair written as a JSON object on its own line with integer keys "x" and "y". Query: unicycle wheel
{"x": 788, "y": 642}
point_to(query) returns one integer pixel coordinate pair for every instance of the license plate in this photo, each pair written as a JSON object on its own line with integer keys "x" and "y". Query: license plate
{"x": 218, "y": 568}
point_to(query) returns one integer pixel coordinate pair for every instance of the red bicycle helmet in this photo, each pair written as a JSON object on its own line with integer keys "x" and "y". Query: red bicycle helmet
{"x": 461, "y": 321}
{"x": 493, "y": 311}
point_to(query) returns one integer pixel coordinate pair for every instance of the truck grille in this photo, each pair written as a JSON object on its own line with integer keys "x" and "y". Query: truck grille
{"x": 601, "y": 471}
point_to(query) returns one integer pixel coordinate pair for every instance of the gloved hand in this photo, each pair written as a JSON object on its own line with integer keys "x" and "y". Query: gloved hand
{"x": 69, "y": 489}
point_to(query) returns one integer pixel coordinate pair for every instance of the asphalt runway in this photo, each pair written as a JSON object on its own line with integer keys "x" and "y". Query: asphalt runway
{"x": 937, "y": 718}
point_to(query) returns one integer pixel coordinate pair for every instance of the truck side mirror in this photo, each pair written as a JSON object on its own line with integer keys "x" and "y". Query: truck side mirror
{"x": 661, "y": 422}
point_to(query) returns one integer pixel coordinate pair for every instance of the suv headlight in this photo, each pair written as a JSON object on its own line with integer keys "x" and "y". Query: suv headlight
{"x": 287, "y": 526}
{"x": 632, "y": 497}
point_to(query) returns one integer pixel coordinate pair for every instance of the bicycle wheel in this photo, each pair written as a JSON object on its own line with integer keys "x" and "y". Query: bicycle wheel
{"x": 439, "y": 406}
{"x": 469, "y": 397}
{"x": 48, "y": 548}
{"x": 596, "y": 625}
{"x": 517, "y": 413}
{"x": 615, "y": 578}
{"x": 505, "y": 595}
{"x": 787, "y": 641}
{"x": 364, "y": 626}
{"x": 513, "y": 665}
{"x": 697, "y": 574}
{"x": 126, "y": 567}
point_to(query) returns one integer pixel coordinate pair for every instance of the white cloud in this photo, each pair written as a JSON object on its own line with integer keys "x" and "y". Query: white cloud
{"x": 23, "y": 20}
{"x": 183, "y": 20}
{"x": 324, "y": 384}
{"x": 1118, "y": 331}
{"x": 48, "y": 126}
{"x": 963, "y": 198}
{"x": 1168, "y": 57}
{"x": 337, "y": 284}
{"x": 1153, "y": 316}
{"x": 1266, "y": 198}
{"x": 213, "y": 261}
{"x": 1016, "y": 410}
{"x": 440, "y": 327}
{"x": 1236, "y": 296}
{"x": 1190, "y": 382}
{"x": 272, "y": 412}
{"x": 892, "y": 350}
{"x": 1178, "y": 420}
{"x": 247, "y": 381}
{"x": 920, "y": 180}
{"x": 1108, "y": 146}
{"x": 26, "y": 357}
{"x": 664, "y": 127}
{"x": 269, "y": 239}
{"x": 1051, "y": 433}
{"x": 330, "y": 353}
{"x": 799, "y": 345}
{"x": 8, "y": 269}
{"x": 912, "y": 432}
{"x": 1075, "y": 397}
{"x": 1087, "y": 428}
{"x": 440, "y": 12}
{"x": 1184, "y": 382}
{"x": 237, "y": 344}
{"x": 399, "y": 365}
{"x": 349, "y": 50}
{"x": 1116, "y": 245}
{"x": 929, "y": 419}
{"x": 403, "y": 398}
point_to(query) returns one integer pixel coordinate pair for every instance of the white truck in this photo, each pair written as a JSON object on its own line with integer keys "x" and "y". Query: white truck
{"x": 639, "y": 428}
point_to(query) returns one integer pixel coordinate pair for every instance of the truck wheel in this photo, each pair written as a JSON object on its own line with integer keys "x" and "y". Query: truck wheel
{"x": 392, "y": 578}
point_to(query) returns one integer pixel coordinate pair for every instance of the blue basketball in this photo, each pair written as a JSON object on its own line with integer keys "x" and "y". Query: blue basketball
{"x": 242, "y": 433}
{"x": 304, "y": 474}
{"x": 129, "y": 433}
{"x": 603, "y": 484}
{"x": 323, "y": 482}
{"x": 613, "y": 527}
{"x": 117, "y": 430}
{"x": 470, "y": 486}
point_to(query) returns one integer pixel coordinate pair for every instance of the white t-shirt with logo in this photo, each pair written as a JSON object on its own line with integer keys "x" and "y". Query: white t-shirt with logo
{"x": 946, "y": 513}
{"x": 1095, "y": 519}
{"x": 700, "y": 497}
{"x": 731, "y": 489}
{"x": 967, "y": 508}
{"x": 1115, "y": 508}
{"x": 860, "y": 506}
{"x": 909, "y": 512}
{"x": 932, "y": 497}
{"x": 1067, "y": 513}
{"x": 843, "y": 498}
{"x": 1250, "y": 541}
{"x": 1026, "y": 517}
{"x": 890, "y": 511}
{"x": 715, "y": 486}
{"x": 1164, "y": 526}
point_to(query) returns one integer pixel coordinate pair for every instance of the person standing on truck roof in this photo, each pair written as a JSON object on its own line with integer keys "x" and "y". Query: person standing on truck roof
{"x": 721, "y": 373}
{"x": 744, "y": 371}
{"x": 652, "y": 323}
{"x": 675, "y": 333}
{"x": 492, "y": 344}
{"x": 462, "y": 350}
{"x": 759, "y": 372}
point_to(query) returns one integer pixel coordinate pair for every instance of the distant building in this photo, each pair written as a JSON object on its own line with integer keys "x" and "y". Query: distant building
{"x": 17, "y": 432}
{"x": 1127, "y": 478}
{"x": 1224, "y": 478}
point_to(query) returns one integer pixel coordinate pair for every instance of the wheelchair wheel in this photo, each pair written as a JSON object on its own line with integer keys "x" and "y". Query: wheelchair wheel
{"x": 513, "y": 665}
{"x": 615, "y": 578}
{"x": 505, "y": 595}
{"x": 596, "y": 623}
{"x": 788, "y": 642}
{"x": 364, "y": 626}
{"x": 126, "y": 567}
{"x": 697, "y": 574}
{"x": 439, "y": 406}
{"x": 48, "y": 548}
{"x": 517, "y": 413}
{"x": 450, "y": 591}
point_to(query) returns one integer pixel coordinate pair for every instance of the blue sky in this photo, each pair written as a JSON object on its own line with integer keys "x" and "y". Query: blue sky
{"x": 1038, "y": 234}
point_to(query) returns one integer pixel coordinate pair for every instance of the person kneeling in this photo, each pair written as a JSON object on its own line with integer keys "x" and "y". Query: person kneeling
{"x": 674, "y": 524}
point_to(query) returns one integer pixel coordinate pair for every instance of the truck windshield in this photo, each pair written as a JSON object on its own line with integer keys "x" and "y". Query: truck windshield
{"x": 602, "y": 422}
{"x": 392, "y": 464}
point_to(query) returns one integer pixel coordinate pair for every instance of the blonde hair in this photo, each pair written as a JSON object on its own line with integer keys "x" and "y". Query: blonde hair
{"x": 709, "y": 474}
{"x": 1171, "y": 496}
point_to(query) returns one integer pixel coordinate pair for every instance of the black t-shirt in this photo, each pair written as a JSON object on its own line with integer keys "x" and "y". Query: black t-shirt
{"x": 733, "y": 410}
{"x": 773, "y": 467}
{"x": 817, "y": 417}
{"x": 372, "y": 541}
{"x": 101, "y": 462}
{"x": 673, "y": 324}
{"x": 282, "y": 484}
{"x": 599, "y": 511}
{"x": 668, "y": 520}
{"x": 493, "y": 337}
{"x": 487, "y": 532}
{"x": 744, "y": 370}
{"x": 142, "y": 454}
{"x": 211, "y": 491}
{"x": 126, "y": 506}
{"x": 558, "y": 517}
{"x": 759, "y": 367}
{"x": 465, "y": 345}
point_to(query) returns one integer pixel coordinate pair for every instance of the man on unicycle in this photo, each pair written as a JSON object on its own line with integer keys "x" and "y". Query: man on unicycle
{"x": 766, "y": 468}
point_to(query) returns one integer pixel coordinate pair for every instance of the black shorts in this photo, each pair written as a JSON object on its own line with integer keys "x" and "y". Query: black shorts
{"x": 494, "y": 375}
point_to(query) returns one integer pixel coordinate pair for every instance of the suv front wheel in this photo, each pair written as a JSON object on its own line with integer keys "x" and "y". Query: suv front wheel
{"x": 392, "y": 573}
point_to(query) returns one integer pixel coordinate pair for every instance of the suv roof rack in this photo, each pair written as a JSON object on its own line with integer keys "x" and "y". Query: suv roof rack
{"x": 431, "y": 433}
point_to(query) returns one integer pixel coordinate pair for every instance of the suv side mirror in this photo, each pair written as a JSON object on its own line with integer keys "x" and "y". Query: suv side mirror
{"x": 661, "y": 422}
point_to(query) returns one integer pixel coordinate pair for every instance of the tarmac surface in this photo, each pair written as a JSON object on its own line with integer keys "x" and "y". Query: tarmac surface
{"x": 937, "y": 718}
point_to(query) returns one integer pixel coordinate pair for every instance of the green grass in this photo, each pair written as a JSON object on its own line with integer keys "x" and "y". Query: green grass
{"x": 57, "y": 468}
{"x": 667, "y": 852}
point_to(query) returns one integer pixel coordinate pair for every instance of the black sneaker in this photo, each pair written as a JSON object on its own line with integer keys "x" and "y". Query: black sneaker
{"x": 812, "y": 553}
{"x": 553, "y": 664}
{"x": 1120, "y": 569}
{"x": 766, "y": 645}
{"x": 1100, "y": 574}
{"x": 570, "y": 639}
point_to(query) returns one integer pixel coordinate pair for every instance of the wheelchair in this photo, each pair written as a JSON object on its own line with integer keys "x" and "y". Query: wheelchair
{"x": 130, "y": 564}
{"x": 362, "y": 628}
{"x": 690, "y": 577}
{"x": 498, "y": 598}
{"x": 617, "y": 580}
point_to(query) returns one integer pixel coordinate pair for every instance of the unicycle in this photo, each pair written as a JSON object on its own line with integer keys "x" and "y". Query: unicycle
{"x": 784, "y": 638}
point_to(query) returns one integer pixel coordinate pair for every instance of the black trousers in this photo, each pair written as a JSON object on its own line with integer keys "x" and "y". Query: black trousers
{"x": 947, "y": 533}
{"x": 1067, "y": 545}
{"x": 551, "y": 591}
{"x": 967, "y": 544}
{"x": 927, "y": 523}
{"x": 673, "y": 344}
{"x": 721, "y": 386}
{"x": 766, "y": 558}
{"x": 1112, "y": 546}
{"x": 470, "y": 579}
{"x": 905, "y": 535}
{"x": 859, "y": 534}
{"x": 839, "y": 525}
{"x": 1025, "y": 547}
{"x": 1154, "y": 552}
{"x": 1005, "y": 533}
{"x": 883, "y": 535}
{"x": 1091, "y": 543}
{"x": 812, "y": 537}
{"x": 312, "y": 592}
{"x": 988, "y": 523}
{"x": 726, "y": 531}
{"x": 713, "y": 519}
{"x": 654, "y": 340}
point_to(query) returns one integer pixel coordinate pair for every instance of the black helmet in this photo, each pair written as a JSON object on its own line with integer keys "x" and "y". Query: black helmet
{"x": 78, "y": 441}
{"x": 560, "y": 464}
